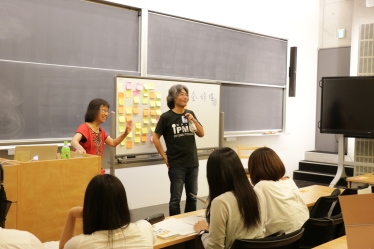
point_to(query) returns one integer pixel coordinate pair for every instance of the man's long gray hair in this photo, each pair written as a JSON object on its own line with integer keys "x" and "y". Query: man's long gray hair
{"x": 174, "y": 91}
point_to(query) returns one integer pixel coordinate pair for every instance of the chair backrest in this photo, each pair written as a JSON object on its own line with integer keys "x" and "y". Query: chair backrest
{"x": 323, "y": 205}
{"x": 247, "y": 148}
{"x": 287, "y": 241}
{"x": 319, "y": 231}
{"x": 348, "y": 191}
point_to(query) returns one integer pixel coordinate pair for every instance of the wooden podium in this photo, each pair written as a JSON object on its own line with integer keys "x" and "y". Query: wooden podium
{"x": 43, "y": 192}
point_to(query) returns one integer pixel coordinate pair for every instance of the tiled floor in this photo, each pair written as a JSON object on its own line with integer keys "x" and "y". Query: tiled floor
{"x": 142, "y": 213}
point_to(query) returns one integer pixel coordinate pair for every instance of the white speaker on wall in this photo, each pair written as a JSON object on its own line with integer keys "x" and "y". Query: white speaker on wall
{"x": 369, "y": 3}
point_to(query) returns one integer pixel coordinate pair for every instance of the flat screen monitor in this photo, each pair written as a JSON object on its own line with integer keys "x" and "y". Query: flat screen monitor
{"x": 347, "y": 106}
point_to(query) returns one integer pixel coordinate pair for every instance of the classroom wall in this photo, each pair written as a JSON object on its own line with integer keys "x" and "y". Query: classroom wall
{"x": 295, "y": 20}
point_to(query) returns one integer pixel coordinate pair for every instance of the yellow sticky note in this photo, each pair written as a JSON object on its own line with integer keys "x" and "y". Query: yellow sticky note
{"x": 152, "y": 95}
{"x": 145, "y": 130}
{"x": 121, "y": 109}
{"x": 137, "y": 139}
{"x": 145, "y": 120}
{"x": 146, "y": 87}
{"x": 121, "y": 119}
{"x": 128, "y": 110}
{"x": 129, "y": 144}
{"x": 153, "y": 128}
{"x": 138, "y": 125}
{"x": 138, "y": 131}
{"x": 144, "y": 138}
{"x": 153, "y": 112}
{"x": 128, "y": 93}
{"x": 145, "y": 100}
{"x": 152, "y": 103}
{"x": 123, "y": 142}
{"x": 121, "y": 101}
{"x": 151, "y": 86}
{"x": 158, "y": 112}
{"x": 158, "y": 95}
{"x": 135, "y": 110}
{"x": 153, "y": 120}
{"x": 136, "y": 100}
{"x": 129, "y": 135}
{"x": 128, "y": 118}
{"x": 121, "y": 128}
{"x": 158, "y": 103}
{"x": 145, "y": 94}
{"x": 145, "y": 112}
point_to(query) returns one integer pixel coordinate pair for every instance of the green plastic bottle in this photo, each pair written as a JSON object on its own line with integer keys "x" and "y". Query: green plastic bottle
{"x": 65, "y": 151}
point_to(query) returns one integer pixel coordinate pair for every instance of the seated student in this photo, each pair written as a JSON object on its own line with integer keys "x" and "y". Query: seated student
{"x": 286, "y": 210}
{"x": 11, "y": 238}
{"x": 106, "y": 219}
{"x": 235, "y": 210}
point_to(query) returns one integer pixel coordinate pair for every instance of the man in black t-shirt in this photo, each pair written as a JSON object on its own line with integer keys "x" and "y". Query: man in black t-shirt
{"x": 178, "y": 126}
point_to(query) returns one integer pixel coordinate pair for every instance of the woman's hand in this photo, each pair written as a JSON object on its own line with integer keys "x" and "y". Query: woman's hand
{"x": 189, "y": 117}
{"x": 76, "y": 212}
{"x": 201, "y": 225}
{"x": 128, "y": 127}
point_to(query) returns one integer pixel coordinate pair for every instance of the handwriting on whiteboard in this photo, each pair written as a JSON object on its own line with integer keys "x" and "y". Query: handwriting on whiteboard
{"x": 204, "y": 97}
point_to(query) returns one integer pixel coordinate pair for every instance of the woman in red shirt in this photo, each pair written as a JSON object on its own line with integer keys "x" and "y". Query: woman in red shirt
{"x": 90, "y": 137}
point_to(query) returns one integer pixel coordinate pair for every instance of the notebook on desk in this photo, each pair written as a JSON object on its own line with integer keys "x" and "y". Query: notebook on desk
{"x": 25, "y": 153}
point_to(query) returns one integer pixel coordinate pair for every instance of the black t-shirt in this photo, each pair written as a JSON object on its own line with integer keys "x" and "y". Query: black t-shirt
{"x": 180, "y": 142}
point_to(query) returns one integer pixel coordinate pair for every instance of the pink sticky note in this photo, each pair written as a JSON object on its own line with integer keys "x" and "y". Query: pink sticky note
{"x": 135, "y": 93}
{"x": 139, "y": 87}
{"x": 128, "y": 85}
{"x": 157, "y": 119}
{"x": 151, "y": 138}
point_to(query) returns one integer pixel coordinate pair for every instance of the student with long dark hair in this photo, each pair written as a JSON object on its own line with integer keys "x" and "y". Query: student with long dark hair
{"x": 286, "y": 209}
{"x": 235, "y": 209}
{"x": 106, "y": 219}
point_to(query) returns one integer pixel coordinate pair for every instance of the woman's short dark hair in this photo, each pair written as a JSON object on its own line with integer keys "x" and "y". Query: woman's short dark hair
{"x": 105, "y": 205}
{"x": 265, "y": 164}
{"x": 174, "y": 91}
{"x": 93, "y": 109}
{"x": 225, "y": 172}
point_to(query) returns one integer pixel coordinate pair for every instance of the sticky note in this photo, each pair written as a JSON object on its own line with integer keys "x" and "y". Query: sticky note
{"x": 138, "y": 131}
{"x": 158, "y": 95}
{"x": 135, "y": 93}
{"x": 128, "y": 93}
{"x": 123, "y": 142}
{"x": 128, "y": 118}
{"x": 128, "y": 85}
{"x": 145, "y": 130}
{"x": 152, "y": 103}
{"x": 152, "y": 95}
{"x": 135, "y": 110}
{"x": 153, "y": 112}
{"x": 153, "y": 128}
{"x": 158, "y": 103}
{"x": 153, "y": 120}
{"x": 157, "y": 119}
{"x": 121, "y": 95}
{"x": 121, "y": 119}
{"x": 145, "y": 112}
{"x": 121, "y": 101}
{"x": 145, "y": 120}
{"x": 137, "y": 139}
{"x": 151, "y": 139}
{"x": 136, "y": 100}
{"x": 144, "y": 138}
{"x": 139, "y": 87}
{"x": 158, "y": 112}
{"x": 128, "y": 110}
{"x": 121, "y": 127}
{"x": 151, "y": 86}
{"x": 138, "y": 125}
{"x": 145, "y": 94}
{"x": 146, "y": 87}
{"x": 129, "y": 135}
{"x": 129, "y": 144}
{"x": 121, "y": 109}
{"x": 145, "y": 100}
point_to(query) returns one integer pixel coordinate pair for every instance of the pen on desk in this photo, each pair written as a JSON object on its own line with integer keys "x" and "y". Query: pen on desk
{"x": 200, "y": 199}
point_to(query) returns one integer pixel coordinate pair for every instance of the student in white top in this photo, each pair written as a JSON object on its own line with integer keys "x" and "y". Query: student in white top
{"x": 106, "y": 219}
{"x": 16, "y": 239}
{"x": 286, "y": 210}
{"x": 235, "y": 210}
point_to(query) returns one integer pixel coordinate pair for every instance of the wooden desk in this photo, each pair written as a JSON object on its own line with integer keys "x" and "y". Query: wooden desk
{"x": 367, "y": 178}
{"x": 312, "y": 193}
{"x": 339, "y": 243}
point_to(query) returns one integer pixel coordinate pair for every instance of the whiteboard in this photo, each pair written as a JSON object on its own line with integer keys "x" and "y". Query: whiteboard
{"x": 134, "y": 95}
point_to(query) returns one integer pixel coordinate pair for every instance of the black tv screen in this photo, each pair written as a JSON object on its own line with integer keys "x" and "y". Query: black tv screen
{"x": 347, "y": 106}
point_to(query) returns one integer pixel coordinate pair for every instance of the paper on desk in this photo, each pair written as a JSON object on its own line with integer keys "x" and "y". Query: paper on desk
{"x": 192, "y": 220}
{"x": 174, "y": 226}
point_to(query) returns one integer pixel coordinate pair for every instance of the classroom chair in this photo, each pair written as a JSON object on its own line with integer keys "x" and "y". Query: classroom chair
{"x": 246, "y": 156}
{"x": 348, "y": 191}
{"x": 323, "y": 205}
{"x": 285, "y": 241}
{"x": 319, "y": 231}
